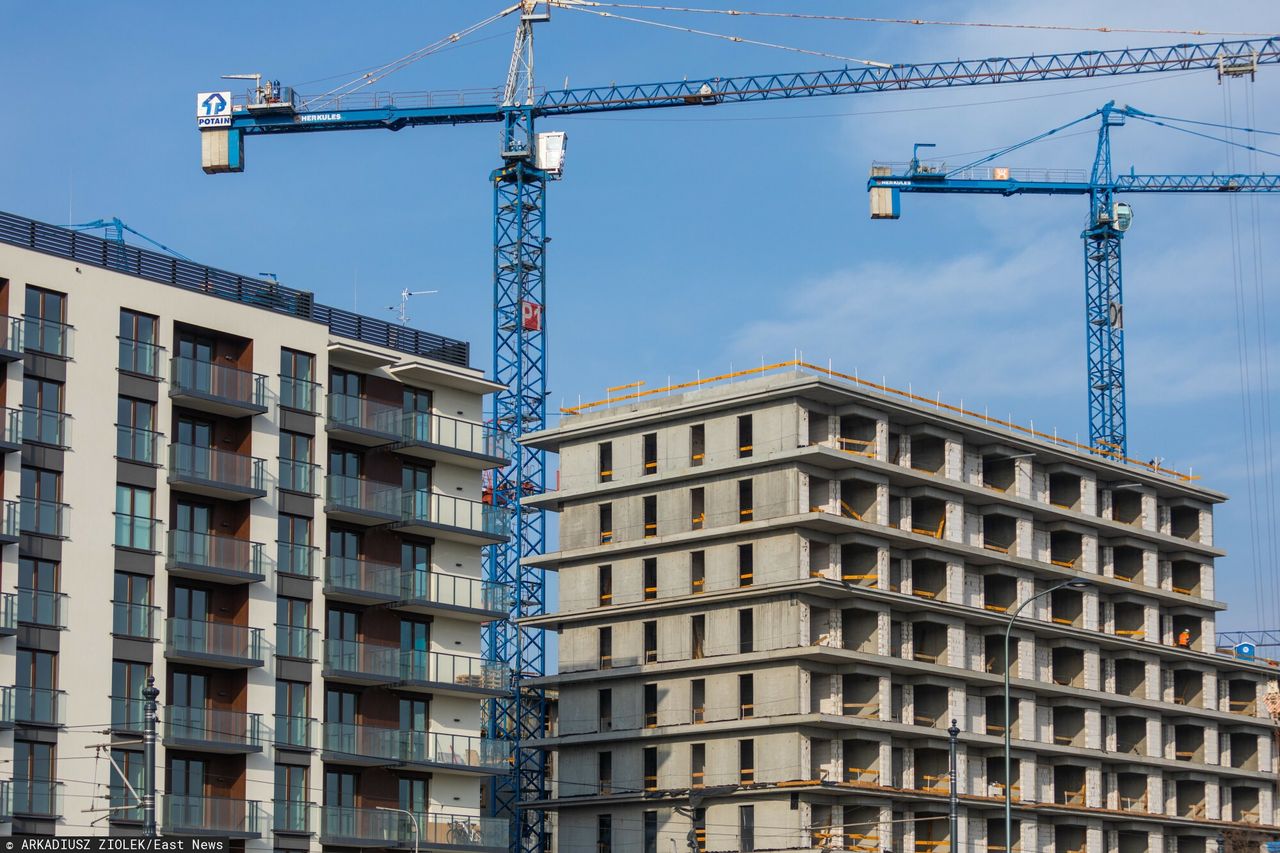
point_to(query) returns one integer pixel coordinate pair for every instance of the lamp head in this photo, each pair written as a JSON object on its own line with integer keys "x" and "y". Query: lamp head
{"x": 1079, "y": 584}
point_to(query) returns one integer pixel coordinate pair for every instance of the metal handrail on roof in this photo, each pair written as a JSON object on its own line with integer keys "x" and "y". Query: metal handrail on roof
{"x": 267, "y": 295}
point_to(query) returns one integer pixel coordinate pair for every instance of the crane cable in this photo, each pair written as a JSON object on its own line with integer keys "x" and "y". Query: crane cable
{"x": 581, "y": 6}
{"x": 917, "y": 21}
{"x": 1263, "y": 602}
{"x": 370, "y": 77}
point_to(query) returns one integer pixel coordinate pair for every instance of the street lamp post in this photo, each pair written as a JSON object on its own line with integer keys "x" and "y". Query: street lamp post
{"x": 412, "y": 817}
{"x": 1008, "y": 757}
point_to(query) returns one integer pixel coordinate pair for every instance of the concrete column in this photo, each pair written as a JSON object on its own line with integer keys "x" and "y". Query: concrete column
{"x": 1093, "y": 838}
{"x": 1093, "y": 735}
{"x": 1093, "y": 787}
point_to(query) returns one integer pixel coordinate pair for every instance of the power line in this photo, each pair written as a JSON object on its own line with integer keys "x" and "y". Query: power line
{"x": 914, "y": 21}
{"x": 567, "y": 4}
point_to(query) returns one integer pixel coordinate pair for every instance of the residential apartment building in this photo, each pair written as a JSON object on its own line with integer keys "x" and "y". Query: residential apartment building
{"x": 777, "y": 594}
{"x": 272, "y": 507}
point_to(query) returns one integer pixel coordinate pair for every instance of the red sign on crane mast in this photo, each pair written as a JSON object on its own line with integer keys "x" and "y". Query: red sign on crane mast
{"x": 531, "y": 316}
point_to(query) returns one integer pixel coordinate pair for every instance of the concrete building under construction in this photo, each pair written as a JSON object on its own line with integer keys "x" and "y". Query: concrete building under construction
{"x": 777, "y": 594}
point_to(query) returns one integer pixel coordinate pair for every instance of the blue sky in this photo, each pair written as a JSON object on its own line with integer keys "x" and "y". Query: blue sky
{"x": 697, "y": 240}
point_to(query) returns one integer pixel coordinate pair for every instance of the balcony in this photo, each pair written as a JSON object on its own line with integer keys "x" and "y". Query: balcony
{"x": 293, "y": 641}
{"x": 8, "y": 614}
{"x": 216, "y": 473}
{"x": 357, "y": 420}
{"x": 40, "y": 426}
{"x": 299, "y": 476}
{"x": 361, "y": 581}
{"x": 47, "y": 337}
{"x": 296, "y": 560}
{"x": 39, "y": 517}
{"x": 445, "y": 439}
{"x": 42, "y": 608}
{"x": 451, "y": 517}
{"x": 462, "y": 597}
{"x": 299, "y": 394}
{"x": 39, "y": 706}
{"x": 361, "y": 501}
{"x": 292, "y": 817}
{"x": 6, "y": 706}
{"x": 226, "y": 816}
{"x": 6, "y": 801}
{"x": 140, "y": 357}
{"x": 212, "y": 730}
{"x": 448, "y": 674}
{"x": 217, "y": 388}
{"x": 350, "y": 827}
{"x": 10, "y": 339}
{"x": 128, "y": 714}
{"x": 38, "y": 798}
{"x": 135, "y": 444}
{"x": 361, "y": 663}
{"x": 11, "y": 435}
{"x": 215, "y": 644}
{"x": 294, "y": 732}
{"x": 208, "y": 556}
{"x": 387, "y": 745}
{"x": 135, "y": 621}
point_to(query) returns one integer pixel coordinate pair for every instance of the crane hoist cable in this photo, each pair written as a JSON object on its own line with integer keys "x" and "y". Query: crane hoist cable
{"x": 858, "y": 19}
{"x": 579, "y": 6}
{"x": 379, "y": 72}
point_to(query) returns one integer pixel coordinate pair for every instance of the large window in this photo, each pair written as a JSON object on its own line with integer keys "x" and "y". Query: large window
{"x": 297, "y": 380}
{"x": 138, "y": 350}
{"x": 297, "y": 473}
{"x": 295, "y": 555}
{"x": 42, "y": 408}
{"x": 39, "y": 602}
{"x": 43, "y": 320}
{"x": 127, "y": 766}
{"x": 34, "y": 792}
{"x": 417, "y": 414}
{"x": 127, "y": 680}
{"x": 134, "y": 517}
{"x": 290, "y": 797}
{"x": 135, "y": 430}
{"x": 133, "y": 612}
{"x": 41, "y": 495}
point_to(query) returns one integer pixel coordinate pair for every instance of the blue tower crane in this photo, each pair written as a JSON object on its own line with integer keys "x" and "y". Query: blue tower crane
{"x": 113, "y": 231}
{"x": 1108, "y": 220}
{"x": 530, "y": 160}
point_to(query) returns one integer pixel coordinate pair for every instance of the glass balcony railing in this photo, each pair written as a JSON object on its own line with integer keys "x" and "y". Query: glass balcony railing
{"x": 6, "y": 705}
{"x": 210, "y": 815}
{"x": 298, "y": 476}
{"x": 452, "y": 511}
{"x": 230, "y": 385}
{"x": 46, "y": 336}
{"x": 128, "y": 714}
{"x": 295, "y": 559}
{"x": 124, "y": 803}
{"x": 214, "y": 727}
{"x": 11, "y": 338}
{"x": 138, "y": 445}
{"x": 294, "y": 731}
{"x": 365, "y": 415}
{"x": 444, "y": 830}
{"x": 367, "y": 660}
{"x": 456, "y": 670}
{"x": 476, "y": 753}
{"x": 44, "y": 518}
{"x": 380, "y": 580}
{"x": 188, "y": 462}
{"x": 40, "y": 706}
{"x": 300, "y": 394}
{"x": 40, "y": 798}
{"x": 368, "y": 827}
{"x": 42, "y": 607}
{"x": 454, "y": 591}
{"x": 40, "y": 426}
{"x": 136, "y": 532}
{"x": 382, "y": 742}
{"x": 137, "y": 621}
{"x": 358, "y": 495}
{"x": 211, "y": 552}
{"x": 455, "y": 434}
{"x": 294, "y": 641}
{"x": 140, "y": 357}
{"x": 12, "y": 427}
{"x": 6, "y": 801}
{"x": 198, "y": 637}
{"x": 292, "y": 816}
{"x": 8, "y": 612}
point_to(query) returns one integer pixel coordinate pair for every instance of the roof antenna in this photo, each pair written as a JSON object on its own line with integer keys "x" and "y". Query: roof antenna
{"x": 402, "y": 310}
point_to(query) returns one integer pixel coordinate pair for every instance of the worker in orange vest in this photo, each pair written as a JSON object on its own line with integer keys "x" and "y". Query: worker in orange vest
{"x": 1184, "y": 639}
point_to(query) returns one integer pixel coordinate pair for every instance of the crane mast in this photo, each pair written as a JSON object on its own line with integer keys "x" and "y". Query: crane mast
{"x": 529, "y": 161}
